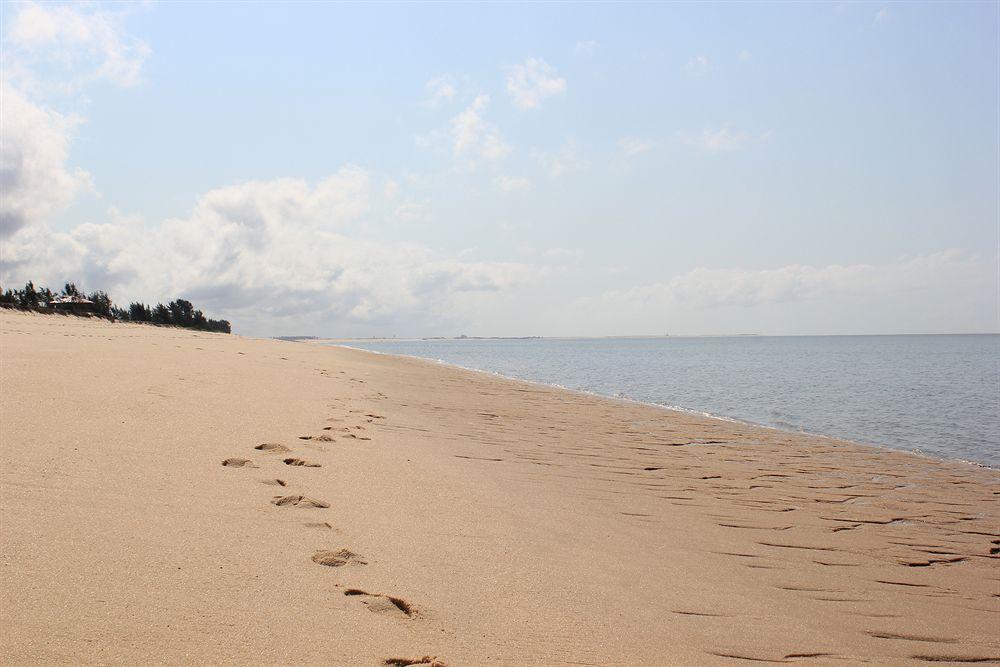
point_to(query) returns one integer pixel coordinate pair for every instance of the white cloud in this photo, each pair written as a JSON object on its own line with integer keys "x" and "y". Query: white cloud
{"x": 411, "y": 212}
{"x": 473, "y": 137}
{"x": 263, "y": 253}
{"x": 512, "y": 183}
{"x": 440, "y": 90}
{"x": 84, "y": 43}
{"x": 566, "y": 160}
{"x": 428, "y": 140}
{"x": 586, "y": 47}
{"x": 563, "y": 253}
{"x": 721, "y": 140}
{"x": 708, "y": 287}
{"x": 390, "y": 189}
{"x": 34, "y": 148}
{"x": 698, "y": 66}
{"x": 631, "y": 147}
{"x": 744, "y": 55}
{"x": 531, "y": 82}
{"x": 882, "y": 15}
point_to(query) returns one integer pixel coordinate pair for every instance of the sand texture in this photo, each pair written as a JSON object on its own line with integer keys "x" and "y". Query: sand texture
{"x": 176, "y": 497}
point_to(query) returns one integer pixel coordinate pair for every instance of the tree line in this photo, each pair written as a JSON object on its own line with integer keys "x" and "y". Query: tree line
{"x": 178, "y": 313}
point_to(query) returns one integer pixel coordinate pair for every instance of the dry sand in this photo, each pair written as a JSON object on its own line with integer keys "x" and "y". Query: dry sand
{"x": 429, "y": 511}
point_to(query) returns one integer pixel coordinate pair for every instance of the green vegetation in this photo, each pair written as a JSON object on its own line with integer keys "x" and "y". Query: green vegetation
{"x": 178, "y": 313}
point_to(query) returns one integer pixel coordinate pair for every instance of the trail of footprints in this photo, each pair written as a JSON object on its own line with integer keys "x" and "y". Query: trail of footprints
{"x": 378, "y": 603}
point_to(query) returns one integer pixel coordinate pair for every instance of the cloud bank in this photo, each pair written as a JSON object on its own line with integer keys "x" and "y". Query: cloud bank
{"x": 266, "y": 251}
{"x": 34, "y": 150}
{"x": 916, "y": 293}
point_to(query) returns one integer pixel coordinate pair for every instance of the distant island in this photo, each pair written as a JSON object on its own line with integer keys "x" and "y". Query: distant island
{"x": 71, "y": 300}
{"x": 464, "y": 337}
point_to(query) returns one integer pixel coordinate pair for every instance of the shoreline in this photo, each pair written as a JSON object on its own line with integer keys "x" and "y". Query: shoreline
{"x": 235, "y": 500}
{"x": 675, "y": 408}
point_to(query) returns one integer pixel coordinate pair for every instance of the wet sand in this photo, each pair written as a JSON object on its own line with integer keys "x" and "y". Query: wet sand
{"x": 176, "y": 497}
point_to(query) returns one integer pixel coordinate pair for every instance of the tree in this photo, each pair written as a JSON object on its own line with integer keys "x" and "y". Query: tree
{"x": 181, "y": 313}
{"x": 160, "y": 315}
{"x": 29, "y": 297}
{"x": 218, "y": 325}
{"x": 102, "y": 303}
{"x": 139, "y": 312}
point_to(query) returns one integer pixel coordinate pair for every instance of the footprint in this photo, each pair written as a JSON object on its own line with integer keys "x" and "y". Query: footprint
{"x": 337, "y": 558}
{"x": 383, "y": 604}
{"x": 276, "y": 482}
{"x": 910, "y": 638}
{"x": 428, "y": 660}
{"x": 389, "y": 606}
{"x": 292, "y": 461}
{"x": 319, "y": 524}
{"x": 298, "y": 501}
{"x": 238, "y": 463}
{"x": 272, "y": 447}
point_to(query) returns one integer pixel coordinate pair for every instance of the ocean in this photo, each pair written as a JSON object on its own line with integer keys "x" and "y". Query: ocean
{"x": 937, "y": 395}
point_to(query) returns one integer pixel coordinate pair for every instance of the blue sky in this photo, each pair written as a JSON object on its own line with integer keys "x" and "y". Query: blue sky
{"x": 547, "y": 169}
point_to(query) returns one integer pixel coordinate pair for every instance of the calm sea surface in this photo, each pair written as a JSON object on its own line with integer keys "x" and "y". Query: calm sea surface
{"x": 939, "y": 395}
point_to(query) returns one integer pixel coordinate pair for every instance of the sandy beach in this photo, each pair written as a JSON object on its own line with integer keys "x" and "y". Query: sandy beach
{"x": 178, "y": 497}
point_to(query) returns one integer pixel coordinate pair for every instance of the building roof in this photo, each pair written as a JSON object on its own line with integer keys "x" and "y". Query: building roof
{"x": 69, "y": 299}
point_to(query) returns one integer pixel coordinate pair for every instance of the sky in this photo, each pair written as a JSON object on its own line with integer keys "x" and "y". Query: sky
{"x": 510, "y": 169}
